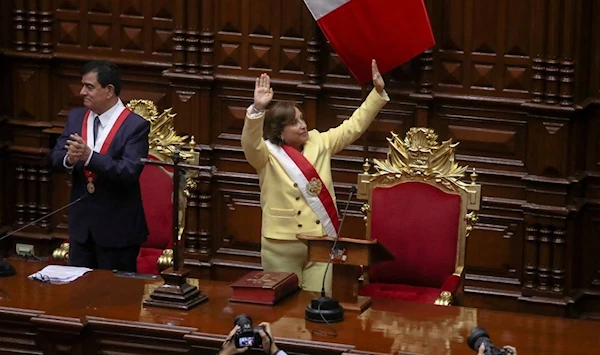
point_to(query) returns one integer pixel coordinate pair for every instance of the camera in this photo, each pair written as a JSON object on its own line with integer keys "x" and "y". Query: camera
{"x": 246, "y": 335}
{"x": 480, "y": 336}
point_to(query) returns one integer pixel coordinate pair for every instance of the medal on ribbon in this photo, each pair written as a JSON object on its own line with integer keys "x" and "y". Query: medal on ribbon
{"x": 314, "y": 186}
{"x": 91, "y": 188}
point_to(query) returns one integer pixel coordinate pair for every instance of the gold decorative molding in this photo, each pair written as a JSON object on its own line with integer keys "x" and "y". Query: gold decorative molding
{"x": 444, "y": 299}
{"x": 163, "y": 140}
{"x": 165, "y": 260}
{"x": 61, "y": 253}
{"x": 419, "y": 155}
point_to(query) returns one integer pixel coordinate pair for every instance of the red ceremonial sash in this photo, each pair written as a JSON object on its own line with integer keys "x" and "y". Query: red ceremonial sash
{"x": 90, "y": 176}
{"x": 311, "y": 174}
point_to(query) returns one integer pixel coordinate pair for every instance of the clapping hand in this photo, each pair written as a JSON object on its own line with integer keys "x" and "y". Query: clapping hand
{"x": 263, "y": 92}
{"x": 77, "y": 149}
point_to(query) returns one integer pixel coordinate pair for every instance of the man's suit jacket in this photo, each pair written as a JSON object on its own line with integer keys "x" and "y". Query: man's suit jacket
{"x": 285, "y": 213}
{"x": 113, "y": 215}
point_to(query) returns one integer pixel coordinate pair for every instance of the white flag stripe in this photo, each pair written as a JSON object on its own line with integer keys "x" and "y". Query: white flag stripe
{"x": 320, "y": 8}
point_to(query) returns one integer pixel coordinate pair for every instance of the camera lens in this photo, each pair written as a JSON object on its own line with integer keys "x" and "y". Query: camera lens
{"x": 478, "y": 336}
{"x": 243, "y": 321}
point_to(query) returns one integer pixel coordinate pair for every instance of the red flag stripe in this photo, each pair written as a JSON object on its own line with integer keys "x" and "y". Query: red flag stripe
{"x": 389, "y": 31}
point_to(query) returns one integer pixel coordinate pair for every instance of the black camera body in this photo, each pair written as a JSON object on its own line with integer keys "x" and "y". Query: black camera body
{"x": 480, "y": 336}
{"x": 247, "y": 336}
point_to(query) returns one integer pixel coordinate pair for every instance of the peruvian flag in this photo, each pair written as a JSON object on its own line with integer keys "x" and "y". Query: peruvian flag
{"x": 389, "y": 31}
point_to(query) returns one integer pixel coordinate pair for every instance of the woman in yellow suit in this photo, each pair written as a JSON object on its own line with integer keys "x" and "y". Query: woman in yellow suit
{"x": 294, "y": 168}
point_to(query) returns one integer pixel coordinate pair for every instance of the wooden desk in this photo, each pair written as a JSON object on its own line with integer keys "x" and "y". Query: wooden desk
{"x": 103, "y": 313}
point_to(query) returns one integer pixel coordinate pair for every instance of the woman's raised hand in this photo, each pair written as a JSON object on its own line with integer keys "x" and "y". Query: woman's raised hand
{"x": 378, "y": 82}
{"x": 263, "y": 92}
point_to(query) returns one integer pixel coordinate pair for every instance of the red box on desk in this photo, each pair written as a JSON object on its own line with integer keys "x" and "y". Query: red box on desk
{"x": 264, "y": 287}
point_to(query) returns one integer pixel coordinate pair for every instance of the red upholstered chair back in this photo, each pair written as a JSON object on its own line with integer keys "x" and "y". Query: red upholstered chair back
{"x": 157, "y": 197}
{"x": 419, "y": 224}
{"x": 421, "y": 211}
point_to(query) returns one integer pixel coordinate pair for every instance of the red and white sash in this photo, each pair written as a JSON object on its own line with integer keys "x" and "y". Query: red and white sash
{"x": 314, "y": 190}
{"x": 105, "y": 139}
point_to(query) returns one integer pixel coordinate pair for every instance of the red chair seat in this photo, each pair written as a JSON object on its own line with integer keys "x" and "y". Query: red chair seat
{"x": 408, "y": 292}
{"x": 401, "y": 292}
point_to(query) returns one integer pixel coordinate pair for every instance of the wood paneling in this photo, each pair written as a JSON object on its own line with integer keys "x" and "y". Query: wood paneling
{"x": 516, "y": 82}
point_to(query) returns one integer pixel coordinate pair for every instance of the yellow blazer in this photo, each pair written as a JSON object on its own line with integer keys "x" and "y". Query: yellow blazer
{"x": 285, "y": 213}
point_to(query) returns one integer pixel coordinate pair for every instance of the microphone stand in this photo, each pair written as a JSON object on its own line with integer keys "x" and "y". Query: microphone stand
{"x": 326, "y": 309}
{"x": 6, "y": 269}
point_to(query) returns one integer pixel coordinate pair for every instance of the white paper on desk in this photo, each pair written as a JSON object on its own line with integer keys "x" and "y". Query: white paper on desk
{"x": 59, "y": 274}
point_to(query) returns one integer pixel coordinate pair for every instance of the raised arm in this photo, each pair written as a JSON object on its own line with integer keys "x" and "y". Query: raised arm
{"x": 253, "y": 144}
{"x": 351, "y": 129}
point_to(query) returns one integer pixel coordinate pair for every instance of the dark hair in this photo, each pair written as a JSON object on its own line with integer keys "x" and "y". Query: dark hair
{"x": 108, "y": 73}
{"x": 276, "y": 118}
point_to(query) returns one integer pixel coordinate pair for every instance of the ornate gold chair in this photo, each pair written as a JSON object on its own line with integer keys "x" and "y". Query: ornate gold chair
{"x": 156, "y": 184}
{"x": 420, "y": 210}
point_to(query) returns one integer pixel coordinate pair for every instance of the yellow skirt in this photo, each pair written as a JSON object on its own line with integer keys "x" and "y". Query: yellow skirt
{"x": 291, "y": 256}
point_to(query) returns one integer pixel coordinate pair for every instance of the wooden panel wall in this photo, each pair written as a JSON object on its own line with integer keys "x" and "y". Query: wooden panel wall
{"x": 516, "y": 82}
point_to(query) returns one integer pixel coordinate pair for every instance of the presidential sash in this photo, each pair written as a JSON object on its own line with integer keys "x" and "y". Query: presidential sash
{"x": 304, "y": 174}
{"x": 90, "y": 176}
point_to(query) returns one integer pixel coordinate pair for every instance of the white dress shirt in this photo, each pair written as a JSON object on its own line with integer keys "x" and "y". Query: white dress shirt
{"x": 107, "y": 120}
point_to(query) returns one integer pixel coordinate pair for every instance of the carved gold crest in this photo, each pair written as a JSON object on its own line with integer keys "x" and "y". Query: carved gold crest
{"x": 314, "y": 187}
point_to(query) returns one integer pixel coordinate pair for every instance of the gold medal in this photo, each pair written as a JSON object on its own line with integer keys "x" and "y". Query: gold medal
{"x": 90, "y": 187}
{"x": 314, "y": 187}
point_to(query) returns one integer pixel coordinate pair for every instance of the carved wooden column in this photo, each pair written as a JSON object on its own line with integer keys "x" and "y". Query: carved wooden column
{"x": 312, "y": 73}
{"x": 538, "y": 46}
{"x": 545, "y": 259}
{"x": 558, "y": 260}
{"x": 423, "y": 91}
{"x": 32, "y": 193}
{"x": 44, "y": 196}
{"x": 426, "y": 72}
{"x": 426, "y": 59}
{"x": 20, "y": 194}
{"x": 192, "y": 39}
{"x": 207, "y": 39}
{"x": 530, "y": 258}
{"x": 19, "y": 21}
{"x": 191, "y": 78}
{"x": 45, "y": 24}
{"x": 552, "y": 39}
{"x": 313, "y": 51}
{"x": 567, "y": 63}
{"x": 32, "y": 26}
{"x": 179, "y": 36}
{"x": 205, "y": 222}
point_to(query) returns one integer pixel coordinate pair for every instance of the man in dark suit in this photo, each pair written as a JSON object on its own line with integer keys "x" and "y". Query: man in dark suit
{"x": 101, "y": 147}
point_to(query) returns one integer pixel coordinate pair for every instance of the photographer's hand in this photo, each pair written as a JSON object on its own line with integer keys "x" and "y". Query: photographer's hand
{"x": 512, "y": 349}
{"x": 228, "y": 347}
{"x": 481, "y": 350}
{"x": 267, "y": 339}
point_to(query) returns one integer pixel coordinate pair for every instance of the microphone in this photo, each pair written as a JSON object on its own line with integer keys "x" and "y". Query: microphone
{"x": 5, "y": 268}
{"x": 326, "y": 309}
